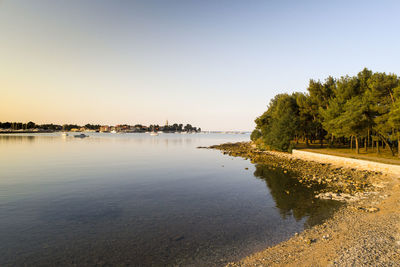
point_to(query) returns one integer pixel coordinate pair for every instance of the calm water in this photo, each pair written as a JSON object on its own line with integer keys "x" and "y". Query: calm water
{"x": 140, "y": 200}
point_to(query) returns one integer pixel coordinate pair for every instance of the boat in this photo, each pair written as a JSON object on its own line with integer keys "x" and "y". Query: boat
{"x": 64, "y": 134}
{"x": 81, "y": 135}
{"x": 154, "y": 133}
{"x": 113, "y": 131}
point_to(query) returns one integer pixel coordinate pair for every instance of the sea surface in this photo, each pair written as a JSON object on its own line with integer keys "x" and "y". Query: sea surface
{"x": 141, "y": 200}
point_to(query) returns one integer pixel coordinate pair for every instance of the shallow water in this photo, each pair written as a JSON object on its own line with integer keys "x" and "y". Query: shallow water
{"x": 135, "y": 199}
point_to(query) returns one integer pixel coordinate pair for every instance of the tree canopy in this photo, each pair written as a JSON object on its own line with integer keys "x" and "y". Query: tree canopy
{"x": 361, "y": 107}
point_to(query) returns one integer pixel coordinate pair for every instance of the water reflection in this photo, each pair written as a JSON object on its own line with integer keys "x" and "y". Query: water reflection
{"x": 135, "y": 199}
{"x": 167, "y": 139}
{"x": 293, "y": 198}
{"x": 16, "y": 138}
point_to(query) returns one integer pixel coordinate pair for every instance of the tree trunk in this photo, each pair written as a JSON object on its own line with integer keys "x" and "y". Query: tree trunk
{"x": 398, "y": 145}
{"x": 357, "y": 148}
{"x": 377, "y": 147}
{"x": 387, "y": 144}
{"x": 366, "y": 145}
{"x": 372, "y": 144}
{"x": 351, "y": 143}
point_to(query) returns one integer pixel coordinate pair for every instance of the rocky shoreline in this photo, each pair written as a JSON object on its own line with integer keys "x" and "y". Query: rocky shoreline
{"x": 365, "y": 231}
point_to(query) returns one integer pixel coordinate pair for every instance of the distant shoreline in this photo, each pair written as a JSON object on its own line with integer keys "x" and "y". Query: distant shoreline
{"x": 46, "y": 131}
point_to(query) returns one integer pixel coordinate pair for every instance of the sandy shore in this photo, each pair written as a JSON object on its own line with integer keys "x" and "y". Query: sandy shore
{"x": 365, "y": 232}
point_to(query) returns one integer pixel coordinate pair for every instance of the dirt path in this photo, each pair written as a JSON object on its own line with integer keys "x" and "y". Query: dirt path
{"x": 371, "y": 156}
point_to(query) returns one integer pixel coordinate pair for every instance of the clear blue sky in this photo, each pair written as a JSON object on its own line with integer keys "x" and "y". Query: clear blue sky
{"x": 215, "y": 64}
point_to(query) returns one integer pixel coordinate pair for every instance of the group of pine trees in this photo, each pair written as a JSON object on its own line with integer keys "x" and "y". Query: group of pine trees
{"x": 362, "y": 110}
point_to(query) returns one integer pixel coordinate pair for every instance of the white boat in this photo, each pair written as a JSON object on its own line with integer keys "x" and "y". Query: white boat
{"x": 113, "y": 131}
{"x": 81, "y": 135}
{"x": 154, "y": 133}
{"x": 64, "y": 134}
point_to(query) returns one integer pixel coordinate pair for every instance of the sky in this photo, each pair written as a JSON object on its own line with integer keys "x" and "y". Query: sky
{"x": 213, "y": 64}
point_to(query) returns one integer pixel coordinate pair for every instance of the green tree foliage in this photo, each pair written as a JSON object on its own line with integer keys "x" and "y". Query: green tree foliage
{"x": 51, "y": 127}
{"x": 255, "y": 135}
{"x": 279, "y": 123}
{"x": 394, "y": 115}
{"x": 308, "y": 117}
{"x": 30, "y": 125}
{"x": 92, "y": 126}
{"x": 69, "y": 127}
{"x": 179, "y": 128}
{"x": 348, "y": 108}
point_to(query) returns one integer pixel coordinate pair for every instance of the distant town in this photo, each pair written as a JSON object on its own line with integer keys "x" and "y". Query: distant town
{"x": 31, "y": 127}
{"x": 10, "y": 127}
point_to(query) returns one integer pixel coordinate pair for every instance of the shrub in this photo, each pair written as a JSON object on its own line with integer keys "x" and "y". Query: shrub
{"x": 255, "y": 135}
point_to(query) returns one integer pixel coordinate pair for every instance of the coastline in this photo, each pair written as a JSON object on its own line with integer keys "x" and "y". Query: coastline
{"x": 365, "y": 231}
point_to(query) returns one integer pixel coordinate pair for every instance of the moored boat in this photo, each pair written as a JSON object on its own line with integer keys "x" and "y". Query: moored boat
{"x": 81, "y": 135}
